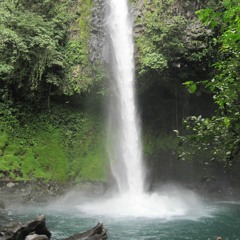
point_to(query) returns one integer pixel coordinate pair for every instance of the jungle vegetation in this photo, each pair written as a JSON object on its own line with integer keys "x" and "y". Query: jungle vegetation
{"x": 185, "y": 51}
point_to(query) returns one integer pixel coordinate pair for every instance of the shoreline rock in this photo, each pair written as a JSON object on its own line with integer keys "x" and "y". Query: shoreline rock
{"x": 29, "y": 191}
{"x": 18, "y": 231}
{"x": 37, "y": 230}
{"x": 37, "y": 191}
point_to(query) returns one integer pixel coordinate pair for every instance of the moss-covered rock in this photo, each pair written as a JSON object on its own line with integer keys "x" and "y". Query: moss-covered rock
{"x": 59, "y": 145}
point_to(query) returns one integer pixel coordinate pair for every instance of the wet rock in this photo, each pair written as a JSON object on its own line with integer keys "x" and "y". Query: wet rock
{"x": 97, "y": 32}
{"x": 9, "y": 230}
{"x": 20, "y": 231}
{"x": 36, "y": 237}
{"x": 10, "y": 184}
{"x": 37, "y": 230}
{"x": 92, "y": 189}
{"x": 195, "y": 35}
{"x": 29, "y": 191}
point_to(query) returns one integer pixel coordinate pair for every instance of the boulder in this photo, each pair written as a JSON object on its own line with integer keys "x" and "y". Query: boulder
{"x": 10, "y": 184}
{"x": 21, "y": 231}
{"x": 37, "y": 230}
{"x": 36, "y": 237}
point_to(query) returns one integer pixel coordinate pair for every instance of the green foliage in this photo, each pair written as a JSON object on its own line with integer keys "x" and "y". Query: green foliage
{"x": 3, "y": 140}
{"x": 85, "y": 149}
{"x": 219, "y": 135}
{"x": 29, "y": 48}
{"x": 63, "y": 145}
{"x": 212, "y": 137}
{"x": 7, "y": 119}
{"x": 93, "y": 165}
{"x": 10, "y": 165}
{"x": 153, "y": 61}
{"x": 153, "y": 144}
{"x": 172, "y": 47}
{"x": 41, "y": 156}
{"x": 44, "y": 52}
{"x": 191, "y": 86}
{"x": 160, "y": 44}
{"x": 226, "y": 80}
{"x": 30, "y": 166}
{"x": 50, "y": 155}
{"x": 44, "y": 49}
{"x": 80, "y": 74}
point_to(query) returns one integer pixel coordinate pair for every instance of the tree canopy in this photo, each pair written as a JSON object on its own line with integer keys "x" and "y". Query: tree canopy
{"x": 39, "y": 56}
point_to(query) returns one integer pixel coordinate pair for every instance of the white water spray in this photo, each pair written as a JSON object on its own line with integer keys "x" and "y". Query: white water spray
{"x": 124, "y": 134}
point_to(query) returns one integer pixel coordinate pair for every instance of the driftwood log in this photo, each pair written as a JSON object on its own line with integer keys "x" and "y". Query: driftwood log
{"x": 37, "y": 230}
{"x": 96, "y": 233}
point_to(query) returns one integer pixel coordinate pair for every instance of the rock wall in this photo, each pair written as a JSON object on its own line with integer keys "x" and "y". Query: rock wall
{"x": 97, "y": 32}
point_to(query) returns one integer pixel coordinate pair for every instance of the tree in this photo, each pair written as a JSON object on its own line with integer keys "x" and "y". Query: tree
{"x": 30, "y": 57}
{"x": 220, "y": 134}
{"x": 39, "y": 54}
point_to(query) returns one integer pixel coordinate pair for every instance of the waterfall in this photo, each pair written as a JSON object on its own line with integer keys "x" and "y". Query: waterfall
{"x": 124, "y": 131}
{"x": 124, "y": 138}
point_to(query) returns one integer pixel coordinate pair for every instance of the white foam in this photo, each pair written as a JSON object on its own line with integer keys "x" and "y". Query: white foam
{"x": 156, "y": 205}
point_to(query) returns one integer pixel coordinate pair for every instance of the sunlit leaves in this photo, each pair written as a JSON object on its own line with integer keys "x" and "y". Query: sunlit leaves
{"x": 160, "y": 43}
{"x": 38, "y": 55}
{"x": 153, "y": 61}
{"x": 191, "y": 86}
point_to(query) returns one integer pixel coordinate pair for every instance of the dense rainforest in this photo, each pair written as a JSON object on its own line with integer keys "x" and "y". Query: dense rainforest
{"x": 54, "y": 83}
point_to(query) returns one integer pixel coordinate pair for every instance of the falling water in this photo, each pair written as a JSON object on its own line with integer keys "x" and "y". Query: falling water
{"x": 124, "y": 130}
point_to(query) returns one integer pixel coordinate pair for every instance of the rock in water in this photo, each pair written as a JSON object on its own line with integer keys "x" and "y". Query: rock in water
{"x": 96, "y": 233}
{"x": 36, "y": 237}
{"x": 37, "y": 230}
{"x": 21, "y": 231}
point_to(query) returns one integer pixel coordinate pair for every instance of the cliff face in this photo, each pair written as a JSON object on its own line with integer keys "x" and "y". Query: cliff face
{"x": 169, "y": 28}
{"x": 97, "y": 32}
{"x": 171, "y": 47}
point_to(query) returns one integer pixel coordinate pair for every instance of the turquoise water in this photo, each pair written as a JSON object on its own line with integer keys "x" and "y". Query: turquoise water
{"x": 221, "y": 219}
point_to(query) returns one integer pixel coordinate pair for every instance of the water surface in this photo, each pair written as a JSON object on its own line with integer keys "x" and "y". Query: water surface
{"x": 219, "y": 219}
